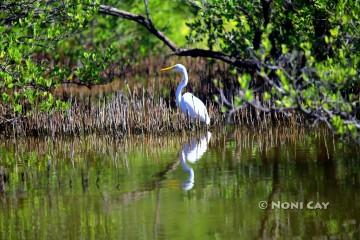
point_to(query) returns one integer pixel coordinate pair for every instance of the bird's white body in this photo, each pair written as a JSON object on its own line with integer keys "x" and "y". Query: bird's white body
{"x": 194, "y": 107}
{"x": 188, "y": 103}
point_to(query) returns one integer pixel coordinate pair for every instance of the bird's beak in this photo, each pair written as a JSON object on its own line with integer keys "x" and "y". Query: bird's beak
{"x": 166, "y": 69}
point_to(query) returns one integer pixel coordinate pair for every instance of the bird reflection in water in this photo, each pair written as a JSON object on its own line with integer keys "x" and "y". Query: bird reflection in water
{"x": 192, "y": 152}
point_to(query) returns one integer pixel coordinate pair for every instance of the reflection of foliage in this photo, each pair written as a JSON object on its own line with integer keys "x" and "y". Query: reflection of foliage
{"x": 96, "y": 187}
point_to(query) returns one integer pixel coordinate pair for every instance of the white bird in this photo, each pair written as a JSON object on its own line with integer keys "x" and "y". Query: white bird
{"x": 188, "y": 103}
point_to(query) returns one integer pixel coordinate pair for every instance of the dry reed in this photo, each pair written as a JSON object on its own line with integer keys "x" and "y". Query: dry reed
{"x": 122, "y": 114}
{"x": 113, "y": 108}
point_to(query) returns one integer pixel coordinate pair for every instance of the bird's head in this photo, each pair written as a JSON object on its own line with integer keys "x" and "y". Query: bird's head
{"x": 177, "y": 68}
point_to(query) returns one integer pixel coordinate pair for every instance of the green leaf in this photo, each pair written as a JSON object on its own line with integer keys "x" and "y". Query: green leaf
{"x": 248, "y": 95}
{"x": 266, "y": 96}
{"x": 334, "y": 32}
{"x": 244, "y": 80}
{"x": 18, "y": 108}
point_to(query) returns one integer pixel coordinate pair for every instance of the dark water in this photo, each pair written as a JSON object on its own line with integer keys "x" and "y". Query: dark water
{"x": 189, "y": 186}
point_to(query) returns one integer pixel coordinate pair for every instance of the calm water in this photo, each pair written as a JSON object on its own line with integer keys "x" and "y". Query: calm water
{"x": 189, "y": 186}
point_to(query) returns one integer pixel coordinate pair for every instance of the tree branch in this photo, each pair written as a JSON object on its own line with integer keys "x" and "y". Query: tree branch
{"x": 195, "y": 52}
{"x": 108, "y": 10}
{"x": 146, "y": 3}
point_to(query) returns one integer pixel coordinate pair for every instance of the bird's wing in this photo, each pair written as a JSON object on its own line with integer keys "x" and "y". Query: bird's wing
{"x": 194, "y": 107}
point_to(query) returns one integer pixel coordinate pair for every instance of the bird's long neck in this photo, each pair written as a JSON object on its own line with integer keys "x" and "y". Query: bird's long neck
{"x": 185, "y": 167}
{"x": 189, "y": 183}
{"x": 183, "y": 83}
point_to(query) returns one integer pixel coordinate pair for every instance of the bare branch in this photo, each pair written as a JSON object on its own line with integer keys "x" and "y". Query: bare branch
{"x": 108, "y": 10}
{"x": 195, "y": 52}
{"x": 146, "y": 3}
{"x": 194, "y": 4}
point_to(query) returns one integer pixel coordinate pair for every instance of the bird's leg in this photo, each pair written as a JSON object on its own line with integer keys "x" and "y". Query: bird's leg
{"x": 191, "y": 124}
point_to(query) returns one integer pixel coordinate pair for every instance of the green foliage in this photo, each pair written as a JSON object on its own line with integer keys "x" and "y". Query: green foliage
{"x": 30, "y": 31}
{"x": 127, "y": 40}
{"x": 221, "y": 25}
{"x": 45, "y": 43}
{"x": 307, "y": 54}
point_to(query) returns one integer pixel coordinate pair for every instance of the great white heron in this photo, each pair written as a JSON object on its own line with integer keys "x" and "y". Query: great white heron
{"x": 188, "y": 103}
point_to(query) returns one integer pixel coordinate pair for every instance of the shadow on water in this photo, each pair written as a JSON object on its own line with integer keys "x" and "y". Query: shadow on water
{"x": 133, "y": 188}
